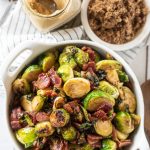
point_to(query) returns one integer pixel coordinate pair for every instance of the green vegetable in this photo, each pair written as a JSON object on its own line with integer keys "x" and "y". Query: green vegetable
{"x": 87, "y": 147}
{"x": 31, "y": 73}
{"x": 108, "y": 88}
{"x": 121, "y": 136}
{"x": 123, "y": 77}
{"x": 44, "y": 129}
{"x": 26, "y": 136}
{"x": 85, "y": 126}
{"x": 108, "y": 64}
{"x": 47, "y": 61}
{"x": 66, "y": 58}
{"x": 37, "y": 103}
{"x": 28, "y": 120}
{"x": 71, "y": 50}
{"x": 21, "y": 86}
{"x": 81, "y": 57}
{"x": 95, "y": 98}
{"x": 85, "y": 114}
{"x": 108, "y": 144}
{"x": 97, "y": 57}
{"x": 69, "y": 133}
{"x": 136, "y": 119}
{"x": 123, "y": 122}
{"x": 103, "y": 128}
{"x": 66, "y": 72}
{"x": 26, "y": 102}
{"x": 59, "y": 118}
{"x": 76, "y": 73}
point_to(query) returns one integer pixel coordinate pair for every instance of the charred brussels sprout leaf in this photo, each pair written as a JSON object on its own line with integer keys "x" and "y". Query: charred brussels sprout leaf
{"x": 69, "y": 133}
{"x": 108, "y": 144}
{"x": 123, "y": 122}
{"x": 123, "y": 77}
{"x": 44, "y": 129}
{"x": 108, "y": 88}
{"x": 81, "y": 57}
{"x": 66, "y": 72}
{"x": 97, "y": 57}
{"x": 85, "y": 114}
{"x": 108, "y": 64}
{"x": 32, "y": 73}
{"x": 21, "y": 86}
{"x": 26, "y": 136}
{"x": 59, "y": 118}
{"x": 95, "y": 98}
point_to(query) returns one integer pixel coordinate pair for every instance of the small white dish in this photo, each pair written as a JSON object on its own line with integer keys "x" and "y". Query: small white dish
{"x": 116, "y": 47}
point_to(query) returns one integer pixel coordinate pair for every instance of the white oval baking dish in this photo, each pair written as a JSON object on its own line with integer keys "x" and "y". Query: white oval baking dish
{"x": 36, "y": 48}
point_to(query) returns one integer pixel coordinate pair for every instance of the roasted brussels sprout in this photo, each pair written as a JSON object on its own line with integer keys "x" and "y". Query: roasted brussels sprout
{"x": 108, "y": 65}
{"x": 69, "y": 133}
{"x": 108, "y": 144}
{"x": 26, "y": 102}
{"x": 28, "y": 120}
{"x": 108, "y": 88}
{"x": 123, "y": 122}
{"x": 66, "y": 72}
{"x": 81, "y": 57}
{"x": 59, "y": 118}
{"x": 123, "y": 76}
{"x": 58, "y": 102}
{"x": 26, "y": 136}
{"x": 87, "y": 147}
{"x": 85, "y": 114}
{"x": 136, "y": 119}
{"x": 67, "y": 58}
{"x": 31, "y": 73}
{"x": 128, "y": 101}
{"x": 97, "y": 57}
{"x": 47, "y": 61}
{"x": 76, "y": 73}
{"x": 95, "y": 98}
{"x": 76, "y": 87}
{"x": 112, "y": 77}
{"x": 121, "y": 136}
{"x": 37, "y": 103}
{"x": 21, "y": 86}
{"x": 44, "y": 93}
{"x": 103, "y": 128}
{"x": 71, "y": 49}
{"x": 44, "y": 129}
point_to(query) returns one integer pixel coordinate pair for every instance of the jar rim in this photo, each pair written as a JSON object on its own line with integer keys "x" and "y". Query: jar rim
{"x": 46, "y": 16}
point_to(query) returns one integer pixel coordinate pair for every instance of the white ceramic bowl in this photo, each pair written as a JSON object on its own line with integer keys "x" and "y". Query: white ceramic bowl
{"x": 137, "y": 41}
{"x": 36, "y": 48}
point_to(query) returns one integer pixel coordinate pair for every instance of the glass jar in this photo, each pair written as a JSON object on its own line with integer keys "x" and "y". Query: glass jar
{"x": 67, "y": 9}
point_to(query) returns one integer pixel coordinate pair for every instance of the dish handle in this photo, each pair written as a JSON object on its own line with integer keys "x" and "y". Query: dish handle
{"x": 33, "y": 49}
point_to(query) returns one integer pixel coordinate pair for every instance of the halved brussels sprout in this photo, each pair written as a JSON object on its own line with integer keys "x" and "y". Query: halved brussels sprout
{"x": 26, "y": 102}
{"x": 37, "y": 103}
{"x": 67, "y": 58}
{"x": 108, "y": 88}
{"x": 123, "y": 76}
{"x": 103, "y": 128}
{"x": 65, "y": 72}
{"x": 69, "y": 133}
{"x": 81, "y": 57}
{"x": 47, "y": 61}
{"x": 59, "y": 118}
{"x": 123, "y": 122}
{"x": 71, "y": 49}
{"x": 128, "y": 102}
{"x": 44, "y": 129}
{"x": 26, "y": 136}
{"x": 95, "y": 98}
{"x": 108, "y": 65}
{"x": 58, "y": 102}
{"x": 121, "y": 136}
{"x": 108, "y": 144}
{"x": 32, "y": 73}
{"x": 112, "y": 77}
{"x": 85, "y": 114}
{"x": 76, "y": 87}
{"x": 21, "y": 86}
{"x": 136, "y": 119}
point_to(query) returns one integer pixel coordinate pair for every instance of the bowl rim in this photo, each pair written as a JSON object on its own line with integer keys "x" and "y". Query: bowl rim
{"x": 103, "y": 48}
{"x": 134, "y": 43}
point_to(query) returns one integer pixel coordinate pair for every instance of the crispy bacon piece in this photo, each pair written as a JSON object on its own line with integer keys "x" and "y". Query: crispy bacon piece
{"x": 68, "y": 108}
{"x": 94, "y": 140}
{"x": 90, "y": 52}
{"x": 33, "y": 116}
{"x": 42, "y": 116}
{"x": 91, "y": 65}
{"x": 42, "y": 82}
{"x": 58, "y": 145}
{"x": 106, "y": 107}
{"x": 14, "y": 118}
{"x": 100, "y": 114}
{"x": 124, "y": 143}
{"x": 55, "y": 79}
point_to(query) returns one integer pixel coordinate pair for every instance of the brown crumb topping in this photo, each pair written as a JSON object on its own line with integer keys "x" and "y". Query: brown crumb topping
{"x": 117, "y": 21}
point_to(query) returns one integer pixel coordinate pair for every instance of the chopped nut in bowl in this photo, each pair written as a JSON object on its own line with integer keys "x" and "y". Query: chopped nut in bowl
{"x": 118, "y": 24}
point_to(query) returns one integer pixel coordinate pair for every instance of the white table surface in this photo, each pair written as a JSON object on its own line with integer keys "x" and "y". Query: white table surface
{"x": 140, "y": 65}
